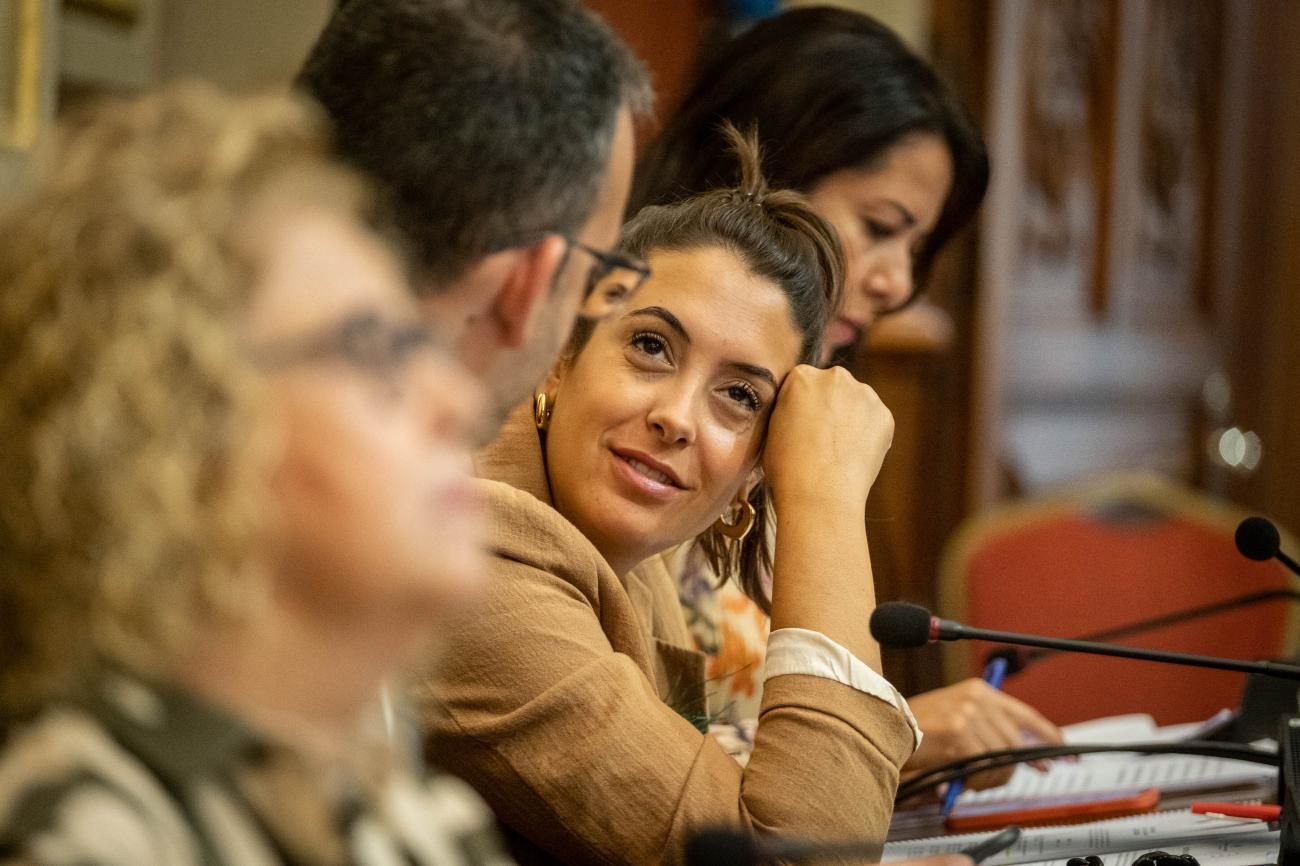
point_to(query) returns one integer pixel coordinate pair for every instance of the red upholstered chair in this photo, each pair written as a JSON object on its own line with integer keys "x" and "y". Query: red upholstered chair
{"x": 1122, "y": 549}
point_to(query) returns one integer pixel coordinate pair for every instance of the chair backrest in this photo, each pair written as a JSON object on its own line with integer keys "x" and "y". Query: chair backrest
{"x": 1116, "y": 551}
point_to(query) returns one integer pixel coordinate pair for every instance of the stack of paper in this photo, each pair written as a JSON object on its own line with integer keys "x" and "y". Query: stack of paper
{"x": 1180, "y": 778}
{"x": 1180, "y": 775}
{"x": 1224, "y": 841}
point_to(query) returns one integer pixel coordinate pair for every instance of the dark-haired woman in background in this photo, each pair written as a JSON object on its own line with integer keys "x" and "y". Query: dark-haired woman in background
{"x": 885, "y": 153}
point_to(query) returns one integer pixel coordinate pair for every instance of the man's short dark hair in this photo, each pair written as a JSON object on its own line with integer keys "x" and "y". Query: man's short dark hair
{"x": 487, "y": 122}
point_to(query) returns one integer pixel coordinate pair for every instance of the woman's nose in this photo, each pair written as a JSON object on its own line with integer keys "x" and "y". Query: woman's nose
{"x": 888, "y": 282}
{"x": 672, "y": 415}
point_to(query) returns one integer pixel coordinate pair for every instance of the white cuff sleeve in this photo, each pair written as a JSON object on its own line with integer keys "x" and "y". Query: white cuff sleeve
{"x": 803, "y": 651}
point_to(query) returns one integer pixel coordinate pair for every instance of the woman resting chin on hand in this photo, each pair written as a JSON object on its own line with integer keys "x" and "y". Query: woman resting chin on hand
{"x": 571, "y": 699}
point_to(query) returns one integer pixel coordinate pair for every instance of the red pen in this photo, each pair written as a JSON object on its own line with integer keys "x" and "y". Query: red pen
{"x": 1238, "y": 810}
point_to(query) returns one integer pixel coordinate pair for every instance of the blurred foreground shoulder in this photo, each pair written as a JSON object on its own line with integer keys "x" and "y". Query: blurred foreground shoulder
{"x": 69, "y": 794}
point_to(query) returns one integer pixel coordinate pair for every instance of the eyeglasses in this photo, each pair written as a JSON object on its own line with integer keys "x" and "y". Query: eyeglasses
{"x": 622, "y": 274}
{"x": 366, "y": 341}
{"x": 619, "y": 274}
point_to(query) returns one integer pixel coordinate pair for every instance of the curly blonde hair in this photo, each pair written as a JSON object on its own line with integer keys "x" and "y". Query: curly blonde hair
{"x": 129, "y": 478}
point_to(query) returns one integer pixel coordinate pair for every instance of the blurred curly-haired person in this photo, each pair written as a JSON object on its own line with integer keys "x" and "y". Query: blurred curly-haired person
{"x": 232, "y": 503}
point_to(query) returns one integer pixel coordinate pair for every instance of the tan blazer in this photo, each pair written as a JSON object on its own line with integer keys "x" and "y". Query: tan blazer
{"x": 550, "y": 700}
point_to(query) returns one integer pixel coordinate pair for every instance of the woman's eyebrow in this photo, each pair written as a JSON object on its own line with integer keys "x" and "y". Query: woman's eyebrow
{"x": 757, "y": 372}
{"x": 675, "y": 323}
{"x": 906, "y": 215}
{"x": 664, "y": 315}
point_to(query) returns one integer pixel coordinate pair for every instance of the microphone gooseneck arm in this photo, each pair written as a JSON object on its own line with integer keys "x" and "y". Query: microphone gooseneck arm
{"x": 1288, "y": 562}
{"x": 1022, "y": 660}
{"x": 942, "y": 629}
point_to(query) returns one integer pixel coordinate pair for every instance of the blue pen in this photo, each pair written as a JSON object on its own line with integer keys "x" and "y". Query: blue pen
{"x": 994, "y": 673}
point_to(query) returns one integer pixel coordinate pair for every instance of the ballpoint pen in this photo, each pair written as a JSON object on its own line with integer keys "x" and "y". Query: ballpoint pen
{"x": 994, "y": 673}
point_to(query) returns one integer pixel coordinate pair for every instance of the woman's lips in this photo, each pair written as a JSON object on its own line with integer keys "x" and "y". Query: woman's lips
{"x": 643, "y": 477}
{"x": 843, "y": 332}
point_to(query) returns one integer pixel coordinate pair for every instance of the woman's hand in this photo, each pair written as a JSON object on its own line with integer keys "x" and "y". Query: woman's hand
{"x": 970, "y": 718}
{"x": 827, "y": 438}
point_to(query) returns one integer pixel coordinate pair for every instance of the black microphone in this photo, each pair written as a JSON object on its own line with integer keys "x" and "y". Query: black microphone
{"x": 903, "y": 625}
{"x": 1258, "y": 539}
{"x": 721, "y": 846}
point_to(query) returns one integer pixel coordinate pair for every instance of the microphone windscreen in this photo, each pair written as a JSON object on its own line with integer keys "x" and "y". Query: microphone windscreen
{"x": 722, "y": 847}
{"x": 901, "y": 625}
{"x": 1258, "y": 539}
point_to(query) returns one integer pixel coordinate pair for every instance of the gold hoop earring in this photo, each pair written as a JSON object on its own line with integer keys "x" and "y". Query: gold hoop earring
{"x": 542, "y": 409}
{"x": 744, "y": 523}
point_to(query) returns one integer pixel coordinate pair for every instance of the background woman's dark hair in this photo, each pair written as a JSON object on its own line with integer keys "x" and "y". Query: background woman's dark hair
{"x": 780, "y": 238}
{"x": 827, "y": 89}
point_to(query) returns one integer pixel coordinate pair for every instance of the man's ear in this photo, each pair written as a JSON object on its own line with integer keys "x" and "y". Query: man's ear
{"x": 526, "y": 289}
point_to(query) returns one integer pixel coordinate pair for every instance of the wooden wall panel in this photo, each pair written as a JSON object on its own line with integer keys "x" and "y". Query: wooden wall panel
{"x": 911, "y": 365}
{"x": 666, "y": 36}
{"x": 1263, "y": 276}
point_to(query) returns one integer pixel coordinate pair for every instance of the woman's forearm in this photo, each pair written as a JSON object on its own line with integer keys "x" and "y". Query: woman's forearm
{"x": 822, "y": 577}
{"x": 826, "y": 441}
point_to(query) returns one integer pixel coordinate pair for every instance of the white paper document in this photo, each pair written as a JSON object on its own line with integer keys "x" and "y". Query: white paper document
{"x": 1136, "y": 835}
{"x": 1172, "y": 774}
{"x": 1140, "y": 727}
{"x": 1253, "y": 850}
